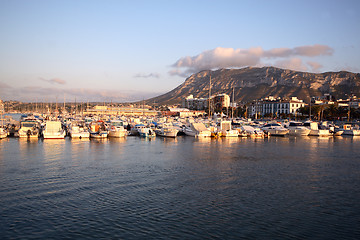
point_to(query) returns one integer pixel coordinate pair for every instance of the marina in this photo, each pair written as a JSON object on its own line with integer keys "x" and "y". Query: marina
{"x": 116, "y": 126}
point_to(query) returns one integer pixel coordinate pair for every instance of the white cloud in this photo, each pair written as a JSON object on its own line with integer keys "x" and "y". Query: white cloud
{"x": 230, "y": 57}
{"x": 292, "y": 64}
{"x": 315, "y": 66}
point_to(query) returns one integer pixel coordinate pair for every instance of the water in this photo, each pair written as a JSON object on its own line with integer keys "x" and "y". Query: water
{"x": 185, "y": 188}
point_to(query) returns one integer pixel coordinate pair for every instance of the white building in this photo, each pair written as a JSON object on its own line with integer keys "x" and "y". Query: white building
{"x": 275, "y": 107}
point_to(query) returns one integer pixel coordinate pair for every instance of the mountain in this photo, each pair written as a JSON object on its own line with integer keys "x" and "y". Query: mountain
{"x": 255, "y": 83}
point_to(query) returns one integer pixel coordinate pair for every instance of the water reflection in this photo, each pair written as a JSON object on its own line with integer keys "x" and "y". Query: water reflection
{"x": 53, "y": 149}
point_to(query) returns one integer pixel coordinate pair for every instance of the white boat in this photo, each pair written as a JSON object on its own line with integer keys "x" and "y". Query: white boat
{"x": 3, "y": 133}
{"x": 167, "y": 131}
{"x": 77, "y": 131}
{"x": 275, "y": 129}
{"x": 315, "y": 130}
{"x": 226, "y": 130}
{"x": 28, "y": 129}
{"x": 117, "y": 129}
{"x": 146, "y": 132}
{"x": 197, "y": 130}
{"x": 348, "y": 129}
{"x": 298, "y": 129}
{"x": 98, "y": 129}
{"x": 53, "y": 130}
{"x": 252, "y": 131}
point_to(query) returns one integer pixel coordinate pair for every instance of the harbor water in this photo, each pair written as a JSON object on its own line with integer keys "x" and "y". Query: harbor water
{"x": 183, "y": 188}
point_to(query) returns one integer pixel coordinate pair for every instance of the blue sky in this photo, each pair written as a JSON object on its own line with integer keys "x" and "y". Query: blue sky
{"x": 131, "y": 50}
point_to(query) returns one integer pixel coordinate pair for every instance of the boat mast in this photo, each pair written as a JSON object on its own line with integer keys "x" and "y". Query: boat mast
{"x": 232, "y": 107}
{"x": 210, "y": 97}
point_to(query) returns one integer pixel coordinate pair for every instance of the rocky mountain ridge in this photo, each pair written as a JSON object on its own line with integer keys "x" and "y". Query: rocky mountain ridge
{"x": 254, "y": 83}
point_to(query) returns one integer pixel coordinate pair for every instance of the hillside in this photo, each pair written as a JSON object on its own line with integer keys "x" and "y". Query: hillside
{"x": 254, "y": 83}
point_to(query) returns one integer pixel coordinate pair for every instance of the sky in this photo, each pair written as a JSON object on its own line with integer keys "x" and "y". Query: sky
{"x": 121, "y": 51}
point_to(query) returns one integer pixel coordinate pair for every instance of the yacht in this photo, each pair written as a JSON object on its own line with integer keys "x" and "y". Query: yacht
{"x": 28, "y": 129}
{"x": 252, "y": 131}
{"x": 226, "y": 130}
{"x": 166, "y": 130}
{"x": 78, "y": 131}
{"x": 197, "y": 130}
{"x": 117, "y": 129}
{"x": 53, "y": 130}
{"x": 315, "y": 130}
{"x": 3, "y": 133}
{"x": 298, "y": 129}
{"x": 275, "y": 129}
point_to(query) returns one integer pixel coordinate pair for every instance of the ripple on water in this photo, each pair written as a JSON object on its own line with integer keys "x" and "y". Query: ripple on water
{"x": 186, "y": 188}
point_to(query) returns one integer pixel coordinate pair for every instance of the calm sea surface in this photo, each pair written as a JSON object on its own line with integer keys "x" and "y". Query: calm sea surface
{"x": 185, "y": 188}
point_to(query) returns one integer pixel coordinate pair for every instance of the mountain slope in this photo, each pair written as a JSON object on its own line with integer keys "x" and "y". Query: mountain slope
{"x": 254, "y": 83}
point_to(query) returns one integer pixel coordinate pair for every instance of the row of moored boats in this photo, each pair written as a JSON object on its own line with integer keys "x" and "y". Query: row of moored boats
{"x": 32, "y": 126}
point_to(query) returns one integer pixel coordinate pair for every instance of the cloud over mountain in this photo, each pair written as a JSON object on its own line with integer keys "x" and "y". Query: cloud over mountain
{"x": 237, "y": 58}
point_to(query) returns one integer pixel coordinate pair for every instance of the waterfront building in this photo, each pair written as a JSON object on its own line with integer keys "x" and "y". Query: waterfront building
{"x": 219, "y": 101}
{"x": 275, "y": 106}
{"x": 195, "y": 103}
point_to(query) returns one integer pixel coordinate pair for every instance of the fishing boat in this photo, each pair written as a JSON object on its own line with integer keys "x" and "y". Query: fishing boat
{"x": 146, "y": 132}
{"x": 53, "y": 130}
{"x": 117, "y": 129}
{"x": 348, "y": 129}
{"x": 98, "y": 129}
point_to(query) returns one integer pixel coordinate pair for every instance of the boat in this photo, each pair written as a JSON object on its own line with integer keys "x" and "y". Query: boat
{"x": 3, "y": 133}
{"x": 315, "y": 130}
{"x": 335, "y": 130}
{"x": 166, "y": 131}
{"x": 78, "y": 131}
{"x": 252, "y": 131}
{"x": 275, "y": 129}
{"x": 98, "y": 129}
{"x": 348, "y": 129}
{"x": 135, "y": 130}
{"x": 226, "y": 130}
{"x": 197, "y": 130}
{"x": 146, "y": 132}
{"x": 117, "y": 129}
{"x": 28, "y": 129}
{"x": 298, "y": 129}
{"x": 53, "y": 130}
